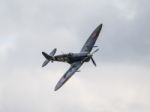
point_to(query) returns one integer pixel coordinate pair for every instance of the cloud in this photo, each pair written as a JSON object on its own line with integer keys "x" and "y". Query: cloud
{"x": 7, "y": 46}
{"x": 119, "y": 83}
{"x": 108, "y": 89}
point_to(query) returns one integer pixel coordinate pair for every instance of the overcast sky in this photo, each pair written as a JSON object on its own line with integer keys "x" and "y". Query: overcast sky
{"x": 120, "y": 82}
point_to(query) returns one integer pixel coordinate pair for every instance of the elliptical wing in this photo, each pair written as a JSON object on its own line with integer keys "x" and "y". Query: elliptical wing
{"x": 91, "y": 40}
{"x": 74, "y": 68}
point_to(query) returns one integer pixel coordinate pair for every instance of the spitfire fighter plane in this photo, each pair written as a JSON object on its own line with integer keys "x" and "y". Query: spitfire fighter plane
{"x": 74, "y": 59}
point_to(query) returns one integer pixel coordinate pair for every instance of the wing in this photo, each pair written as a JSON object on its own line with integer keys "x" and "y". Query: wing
{"x": 91, "y": 40}
{"x": 74, "y": 67}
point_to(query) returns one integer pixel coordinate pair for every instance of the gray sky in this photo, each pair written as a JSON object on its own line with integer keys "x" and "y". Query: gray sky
{"x": 120, "y": 83}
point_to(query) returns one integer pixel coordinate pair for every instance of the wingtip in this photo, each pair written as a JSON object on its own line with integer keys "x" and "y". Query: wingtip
{"x": 56, "y": 88}
{"x": 43, "y": 52}
{"x": 101, "y": 25}
{"x": 42, "y": 66}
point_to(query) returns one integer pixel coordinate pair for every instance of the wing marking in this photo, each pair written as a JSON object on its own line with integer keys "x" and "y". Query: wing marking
{"x": 91, "y": 40}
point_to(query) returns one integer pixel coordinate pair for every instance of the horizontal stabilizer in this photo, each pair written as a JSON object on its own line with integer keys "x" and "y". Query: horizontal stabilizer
{"x": 53, "y": 52}
{"x": 45, "y": 63}
{"x": 46, "y": 56}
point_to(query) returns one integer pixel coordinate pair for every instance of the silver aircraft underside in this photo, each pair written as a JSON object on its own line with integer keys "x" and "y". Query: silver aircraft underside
{"x": 74, "y": 59}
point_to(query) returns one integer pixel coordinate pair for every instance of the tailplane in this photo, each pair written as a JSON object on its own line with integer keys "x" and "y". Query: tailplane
{"x": 49, "y": 57}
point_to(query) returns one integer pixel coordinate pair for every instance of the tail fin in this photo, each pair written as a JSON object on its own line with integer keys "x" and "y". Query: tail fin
{"x": 48, "y": 57}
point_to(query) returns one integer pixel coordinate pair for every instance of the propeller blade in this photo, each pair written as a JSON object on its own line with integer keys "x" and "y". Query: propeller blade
{"x": 95, "y": 51}
{"x": 93, "y": 61}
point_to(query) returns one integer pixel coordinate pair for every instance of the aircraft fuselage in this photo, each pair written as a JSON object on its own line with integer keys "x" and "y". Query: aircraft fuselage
{"x": 71, "y": 57}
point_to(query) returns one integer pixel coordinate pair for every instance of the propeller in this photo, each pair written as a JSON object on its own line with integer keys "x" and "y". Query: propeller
{"x": 91, "y": 57}
{"x": 93, "y": 61}
{"x": 94, "y": 51}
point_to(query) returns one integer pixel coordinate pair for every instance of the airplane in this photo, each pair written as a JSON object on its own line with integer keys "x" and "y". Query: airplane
{"x": 74, "y": 59}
